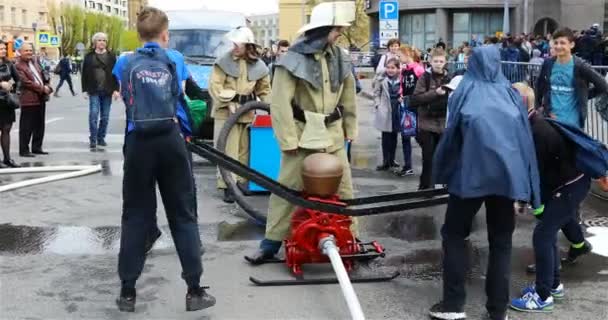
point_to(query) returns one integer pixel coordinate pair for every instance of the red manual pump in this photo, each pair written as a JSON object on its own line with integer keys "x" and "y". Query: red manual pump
{"x": 321, "y": 176}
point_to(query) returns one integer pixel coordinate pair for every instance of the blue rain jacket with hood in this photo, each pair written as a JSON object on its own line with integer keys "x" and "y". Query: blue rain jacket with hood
{"x": 487, "y": 148}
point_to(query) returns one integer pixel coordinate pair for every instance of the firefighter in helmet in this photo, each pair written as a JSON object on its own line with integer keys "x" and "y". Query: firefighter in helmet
{"x": 313, "y": 110}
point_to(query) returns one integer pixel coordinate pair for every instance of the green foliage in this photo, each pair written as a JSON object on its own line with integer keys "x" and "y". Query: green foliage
{"x": 80, "y": 26}
{"x": 130, "y": 41}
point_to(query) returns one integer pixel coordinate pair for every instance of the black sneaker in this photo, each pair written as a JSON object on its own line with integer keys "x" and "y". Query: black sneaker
{"x": 395, "y": 164}
{"x": 260, "y": 257}
{"x": 383, "y": 167}
{"x": 92, "y": 146}
{"x": 102, "y": 143}
{"x": 405, "y": 172}
{"x": 574, "y": 253}
{"x": 440, "y": 312}
{"x": 126, "y": 301}
{"x": 198, "y": 299}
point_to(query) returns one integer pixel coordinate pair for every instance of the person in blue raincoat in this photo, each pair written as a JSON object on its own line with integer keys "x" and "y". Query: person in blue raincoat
{"x": 486, "y": 156}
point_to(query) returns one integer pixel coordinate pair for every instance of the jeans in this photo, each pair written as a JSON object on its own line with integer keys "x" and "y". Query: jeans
{"x": 428, "y": 142}
{"x": 99, "y": 112}
{"x": 559, "y": 212}
{"x": 500, "y": 218}
{"x": 389, "y": 148}
{"x": 149, "y": 161}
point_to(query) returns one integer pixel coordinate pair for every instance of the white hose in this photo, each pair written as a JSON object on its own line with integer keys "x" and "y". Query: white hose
{"x": 329, "y": 248}
{"x": 44, "y": 169}
{"x": 82, "y": 171}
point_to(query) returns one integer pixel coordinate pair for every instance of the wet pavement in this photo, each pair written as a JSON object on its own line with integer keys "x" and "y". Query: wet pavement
{"x": 59, "y": 245}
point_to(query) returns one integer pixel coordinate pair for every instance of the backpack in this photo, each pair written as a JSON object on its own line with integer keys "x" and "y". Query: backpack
{"x": 150, "y": 90}
{"x": 591, "y": 155}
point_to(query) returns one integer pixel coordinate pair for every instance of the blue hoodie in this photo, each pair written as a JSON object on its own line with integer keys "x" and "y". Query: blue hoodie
{"x": 487, "y": 148}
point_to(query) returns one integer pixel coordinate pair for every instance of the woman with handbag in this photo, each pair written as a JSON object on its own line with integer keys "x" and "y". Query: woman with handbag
{"x": 9, "y": 101}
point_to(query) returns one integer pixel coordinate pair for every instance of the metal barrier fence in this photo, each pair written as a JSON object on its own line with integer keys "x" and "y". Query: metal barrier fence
{"x": 595, "y": 125}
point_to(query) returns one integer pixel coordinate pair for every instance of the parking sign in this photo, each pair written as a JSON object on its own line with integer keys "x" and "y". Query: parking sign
{"x": 389, "y": 21}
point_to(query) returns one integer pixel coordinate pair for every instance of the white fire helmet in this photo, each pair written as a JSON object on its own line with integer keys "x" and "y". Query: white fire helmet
{"x": 241, "y": 35}
{"x": 331, "y": 14}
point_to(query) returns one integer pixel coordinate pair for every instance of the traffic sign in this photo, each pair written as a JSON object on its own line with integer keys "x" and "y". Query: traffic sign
{"x": 43, "y": 39}
{"x": 55, "y": 41}
{"x": 389, "y": 21}
{"x": 389, "y": 10}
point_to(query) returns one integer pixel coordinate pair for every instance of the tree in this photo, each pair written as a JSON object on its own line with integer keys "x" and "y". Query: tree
{"x": 130, "y": 41}
{"x": 79, "y": 26}
{"x": 357, "y": 35}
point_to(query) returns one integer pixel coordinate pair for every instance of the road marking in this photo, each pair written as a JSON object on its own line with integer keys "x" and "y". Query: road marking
{"x": 51, "y": 120}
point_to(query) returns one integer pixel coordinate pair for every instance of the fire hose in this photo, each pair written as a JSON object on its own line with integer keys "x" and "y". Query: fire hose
{"x": 327, "y": 243}
{"x": 329, "y": 248}
{"x": 355, "y": 207}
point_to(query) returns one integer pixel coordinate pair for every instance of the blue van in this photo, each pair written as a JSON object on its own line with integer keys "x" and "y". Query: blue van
{"x": 199, "y": 36}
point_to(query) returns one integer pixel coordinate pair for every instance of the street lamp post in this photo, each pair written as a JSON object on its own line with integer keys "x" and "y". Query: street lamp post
{"x": 505, "y": 19}
{"x": 526, "y": 16}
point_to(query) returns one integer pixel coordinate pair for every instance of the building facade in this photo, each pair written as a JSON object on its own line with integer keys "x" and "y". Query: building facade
{"x": 423, "y": 23}
{"x": 293, "y": 14}
{"x": 117, "y": 8}
{"x": 21, "y": 19}
{"x": 265, "y": 28}
{"x": 135, "y": 7}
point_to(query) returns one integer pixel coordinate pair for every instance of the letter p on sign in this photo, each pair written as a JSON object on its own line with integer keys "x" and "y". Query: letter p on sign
{"x": 389, "y": 10}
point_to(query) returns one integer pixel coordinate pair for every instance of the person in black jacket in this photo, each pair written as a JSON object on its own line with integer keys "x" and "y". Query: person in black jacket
{"x": 562, "y": 89}
{"x": 9, "y": 83}
{"x": 100, "y": 85}
{"x": 65, "y": 74}
{"x": 563, "y": 188}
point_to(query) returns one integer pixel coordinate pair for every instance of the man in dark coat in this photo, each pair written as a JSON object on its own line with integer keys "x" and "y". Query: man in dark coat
{"x": 65, "y": 74}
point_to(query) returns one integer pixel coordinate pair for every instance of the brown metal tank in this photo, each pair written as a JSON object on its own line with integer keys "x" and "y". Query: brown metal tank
{"x": 321, "y": 174}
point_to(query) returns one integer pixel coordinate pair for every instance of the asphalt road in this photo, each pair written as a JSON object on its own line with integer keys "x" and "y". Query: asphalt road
{"x": 59, "y": 244}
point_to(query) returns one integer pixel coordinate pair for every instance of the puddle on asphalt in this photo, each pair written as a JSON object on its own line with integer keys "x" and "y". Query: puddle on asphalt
{"x": 426, "y": 264}
{"x": 404, "y": 226}
{"x": 240, "y": 231}
{"x": 72, "y": 240}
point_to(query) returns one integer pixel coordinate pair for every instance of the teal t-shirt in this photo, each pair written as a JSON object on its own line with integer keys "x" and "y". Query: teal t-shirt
{"x": 563, "y": 95}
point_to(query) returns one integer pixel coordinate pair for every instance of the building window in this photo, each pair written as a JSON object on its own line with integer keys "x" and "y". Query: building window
{"x": 108, "y": 9}
{"x": 124, "y": 3}
{"x": 116, "y": 11}
{"x": 1, "y": 14}
{"x": 461, "y": 27}
{"x": 24, "y": 17}
{"x": 116, "y": 2}
{"x": 479, "y": 24}
{"x": 418, "y": 30}
{"x": 14, "y": 16}
{"x": 100, "y": 7}
{"x": 42, "y": 17}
